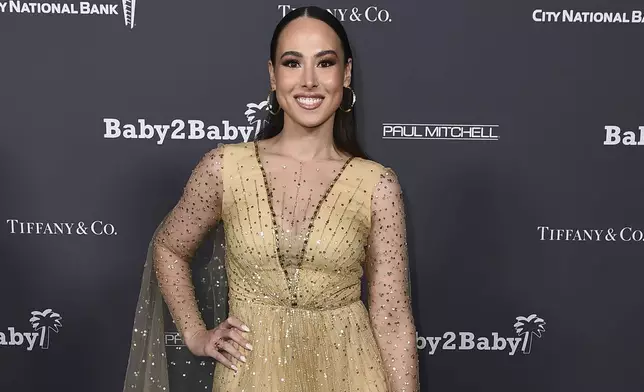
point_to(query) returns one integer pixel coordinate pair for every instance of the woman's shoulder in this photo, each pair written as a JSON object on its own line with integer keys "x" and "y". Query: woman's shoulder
{"x": 372, "y": 166}
{"x": 236, "y": 147}
{"x": 232, "y": 150}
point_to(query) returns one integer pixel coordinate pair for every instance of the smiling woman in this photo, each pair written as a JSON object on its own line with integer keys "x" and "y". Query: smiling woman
{"x": 311, "y": 59}
{"x": 305, "y": 215}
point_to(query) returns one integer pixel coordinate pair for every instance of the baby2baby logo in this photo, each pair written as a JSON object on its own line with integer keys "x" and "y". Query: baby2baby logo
{"x": 525, "y": 327}
{"x": 43, "y": 323}
{"x": 193, "y": 129}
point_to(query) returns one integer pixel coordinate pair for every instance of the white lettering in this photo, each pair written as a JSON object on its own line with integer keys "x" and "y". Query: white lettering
{"x": 31, "y": 339}
{"x": 467, "y": 341}
{"x": 514, "y": 344}
{"x": 342, "y": 12}
{"x": 383, "y": 16}
{"x": 162, "y": 131}
{"x": 213, "y": 133}
{"x": 196, "y": 130}
{"x": 284, "y": 8}
{"x": 629, "y": 138}
{"x": 433, "y": 343}
{"x": 448, "y": 345}
{"x": 612, "y": 135}
{"x": 483, "y": 344}
{"x": 177, "y": 133}
{"x": 245, "y": 132}
{"x": 628, "y": 234}
{"x": 12, "y": 222}
{"x": 146, "y": 130}
{"x": 498, "y": 340}
{"x": 69, "y": 227}
{"x": 230, "y": 132}
{"x": 18, "y": 338}
{"x": 368, "y": 16}
{"x": 422, "y": 340}
{"x": 13, "y": 335}
{"x": 112, "y": 129}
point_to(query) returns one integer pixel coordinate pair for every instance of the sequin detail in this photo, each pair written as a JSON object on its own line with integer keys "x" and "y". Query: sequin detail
{"x": 302, "y": 251}
{"x": 299, "y": 236}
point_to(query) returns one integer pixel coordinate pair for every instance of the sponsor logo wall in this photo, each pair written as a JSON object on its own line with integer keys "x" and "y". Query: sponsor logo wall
{"x": 440, "y": 131}
{"x": 370, "y": 14}
{"x": 44, "y": 324}
{"x": 509, "y": 126}
{"x": 576, "y": 16}
{"x": 97, "y": 227}
{"x": 526, "y": 329}
{"x": 78, "y": 8}
{"x": 179, "y": 129}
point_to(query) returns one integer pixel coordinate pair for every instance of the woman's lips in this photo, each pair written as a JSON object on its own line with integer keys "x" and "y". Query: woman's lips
{"x": 309, "y": 103}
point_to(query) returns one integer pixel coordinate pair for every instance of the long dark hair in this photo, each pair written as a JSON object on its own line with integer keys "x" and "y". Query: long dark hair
{"x": 344, "y": 125}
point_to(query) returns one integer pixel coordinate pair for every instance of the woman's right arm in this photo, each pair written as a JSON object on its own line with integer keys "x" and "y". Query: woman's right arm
{"x": 175, "y": 244}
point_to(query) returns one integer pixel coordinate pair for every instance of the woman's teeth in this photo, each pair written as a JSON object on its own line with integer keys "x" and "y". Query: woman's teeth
{"x": 309, "y": 103}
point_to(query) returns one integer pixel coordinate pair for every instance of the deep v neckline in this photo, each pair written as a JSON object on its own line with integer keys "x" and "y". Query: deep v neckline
{"x": 269, "y": 200}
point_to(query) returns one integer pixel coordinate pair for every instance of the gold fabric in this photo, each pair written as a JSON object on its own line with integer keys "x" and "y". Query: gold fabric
{"x": 298, "y": 237}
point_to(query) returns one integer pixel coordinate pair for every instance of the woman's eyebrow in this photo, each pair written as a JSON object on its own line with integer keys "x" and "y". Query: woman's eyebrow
{"x": 298, "y": 54}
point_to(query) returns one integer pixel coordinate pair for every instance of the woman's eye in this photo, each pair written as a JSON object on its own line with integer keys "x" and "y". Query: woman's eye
{"x": 291, "y": 63}
{"x": 326, "y": 63}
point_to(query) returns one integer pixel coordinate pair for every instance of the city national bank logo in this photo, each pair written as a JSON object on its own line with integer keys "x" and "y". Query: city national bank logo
{"x": 129, "y": 6}
{"x": 81, "y": 8}
{"x": 43, "y": 323}
{"x": 179, "y": 129}
{"x": 616, "y": 136}
{"x": 526, "y": 328}
{"x": 574, "y": 16}
{"x": 440, "y": 131}
{"x": 371, "y": 14}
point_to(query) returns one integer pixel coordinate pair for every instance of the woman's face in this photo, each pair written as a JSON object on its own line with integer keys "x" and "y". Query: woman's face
{"x": 309, "y": 72}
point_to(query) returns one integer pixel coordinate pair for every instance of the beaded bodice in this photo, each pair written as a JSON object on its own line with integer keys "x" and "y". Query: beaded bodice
{"x": 299, "y": 236}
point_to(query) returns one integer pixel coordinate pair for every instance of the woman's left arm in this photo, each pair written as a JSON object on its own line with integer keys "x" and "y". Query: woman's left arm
{"x": 387, "y": 272}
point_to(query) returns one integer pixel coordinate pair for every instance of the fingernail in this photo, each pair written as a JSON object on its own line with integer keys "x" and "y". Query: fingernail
{"x": 234, "y": 368}
{"x": 248, "y": 346}
{"x": 243, "y": 358}
{"x": 245, "y": 328}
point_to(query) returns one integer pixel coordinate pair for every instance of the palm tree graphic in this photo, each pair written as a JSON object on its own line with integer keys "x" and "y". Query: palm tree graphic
{"x": 252, "y": 114}
{"x": 528, "y": 326}
{"x": 45, "y": 321}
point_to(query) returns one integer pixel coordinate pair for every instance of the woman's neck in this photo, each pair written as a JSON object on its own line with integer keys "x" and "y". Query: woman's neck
{"x": 305, "y": 144}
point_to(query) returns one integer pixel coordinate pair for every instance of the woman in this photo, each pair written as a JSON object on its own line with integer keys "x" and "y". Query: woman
{"x": 304, "y": 212}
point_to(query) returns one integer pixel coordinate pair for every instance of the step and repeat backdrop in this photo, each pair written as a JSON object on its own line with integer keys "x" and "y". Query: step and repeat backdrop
{"x": 516, "y": 129}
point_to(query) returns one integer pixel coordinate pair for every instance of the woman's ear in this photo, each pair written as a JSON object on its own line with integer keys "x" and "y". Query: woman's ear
{"x": 347, "y": 72}
{"x": 271, "y": 74}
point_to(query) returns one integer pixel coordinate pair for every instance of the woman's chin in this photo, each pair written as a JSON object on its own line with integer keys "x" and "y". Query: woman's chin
{"x": 310, "y": 120}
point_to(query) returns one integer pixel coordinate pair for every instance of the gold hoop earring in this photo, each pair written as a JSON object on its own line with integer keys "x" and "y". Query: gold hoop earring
{"x": 271, "y": 100}
{"x": 353, "y": 101}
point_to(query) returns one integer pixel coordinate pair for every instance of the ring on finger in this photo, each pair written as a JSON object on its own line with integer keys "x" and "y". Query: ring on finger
{"x": 218, "y": 344}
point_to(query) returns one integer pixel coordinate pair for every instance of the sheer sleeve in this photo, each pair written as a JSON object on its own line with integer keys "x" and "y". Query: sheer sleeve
{"x": 388, "y": 282}
{"x": 178, "y": 238}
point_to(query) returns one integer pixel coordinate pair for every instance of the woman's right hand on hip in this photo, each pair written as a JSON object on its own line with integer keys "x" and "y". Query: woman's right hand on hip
{"x": 218, "y": 342}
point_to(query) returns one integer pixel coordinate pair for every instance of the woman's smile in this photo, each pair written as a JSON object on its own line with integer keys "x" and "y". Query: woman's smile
{"x": 309, "y": 101}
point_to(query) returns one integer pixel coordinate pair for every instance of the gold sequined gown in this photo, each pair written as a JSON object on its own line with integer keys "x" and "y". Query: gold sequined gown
{"x": 298, "y": 236}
